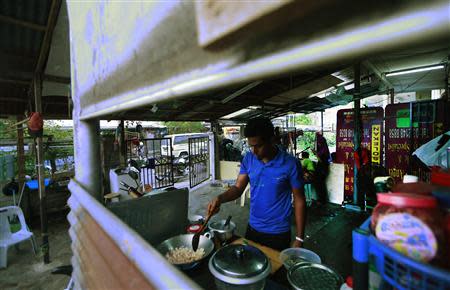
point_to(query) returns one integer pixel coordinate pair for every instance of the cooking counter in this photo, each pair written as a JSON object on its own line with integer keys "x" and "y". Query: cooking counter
{"x": 275, "y": 281}
{"x": 203, "y": 277}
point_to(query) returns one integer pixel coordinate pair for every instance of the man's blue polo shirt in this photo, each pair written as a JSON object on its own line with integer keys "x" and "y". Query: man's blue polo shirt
{"x": 271, "y": 186}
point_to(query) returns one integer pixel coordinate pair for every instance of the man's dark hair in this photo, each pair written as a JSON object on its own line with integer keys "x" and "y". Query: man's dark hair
{"x": 259, "y": 127}
{"x": 305, "y": 154}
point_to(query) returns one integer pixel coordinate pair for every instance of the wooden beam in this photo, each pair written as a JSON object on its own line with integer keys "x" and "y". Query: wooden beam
{"x": 27, "y": 77}
{"x": 37, "y": 82}
{"x": 15, "y": 82}
{"x": 46, "y": 42}
{"x": 23, "y": 23}
{"x": 13, "y": 99}
{"x": 56, "y": 79}
{"x": 20, "y": 155}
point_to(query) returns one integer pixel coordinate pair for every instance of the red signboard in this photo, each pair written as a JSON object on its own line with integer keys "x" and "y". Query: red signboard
{"x": 371, "y": 138}
{"x": 428, "y": 122}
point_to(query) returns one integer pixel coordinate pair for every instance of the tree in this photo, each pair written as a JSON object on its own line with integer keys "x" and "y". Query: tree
{"x": 7, "y": 130}
{"x": 185, "y": 127}
{"x": 51, "y": 128}
{"x": 303, "y": 120}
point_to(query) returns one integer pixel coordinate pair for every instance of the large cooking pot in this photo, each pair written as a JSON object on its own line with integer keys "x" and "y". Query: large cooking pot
{"x": 239, "y": 267}
{"x": 224, "y": 233}
{"x": 186, "y": 241}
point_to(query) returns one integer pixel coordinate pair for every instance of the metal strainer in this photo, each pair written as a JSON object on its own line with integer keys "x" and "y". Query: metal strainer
{"x": 311, "y": 276}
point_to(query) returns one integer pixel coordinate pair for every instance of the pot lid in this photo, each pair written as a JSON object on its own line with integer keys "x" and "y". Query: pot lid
{"x": 239, "y": 264}
{"x": 310, "y": 276}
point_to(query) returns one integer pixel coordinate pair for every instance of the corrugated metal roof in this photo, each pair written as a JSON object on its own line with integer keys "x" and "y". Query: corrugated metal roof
{"x": 20, "y": 39}
{"x": 22, "y": 29}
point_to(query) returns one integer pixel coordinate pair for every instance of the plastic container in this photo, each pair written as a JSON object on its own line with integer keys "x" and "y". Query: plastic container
{"x": 292, "y": 256}
{"x": 400, "y": 271}
{"x": 441, "y": 182}
{"x": 411, "y": 224}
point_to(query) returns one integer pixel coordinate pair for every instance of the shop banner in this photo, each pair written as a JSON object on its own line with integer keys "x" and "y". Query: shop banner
{"x": 428, "y": 122}
{"x": 371, "y": 138}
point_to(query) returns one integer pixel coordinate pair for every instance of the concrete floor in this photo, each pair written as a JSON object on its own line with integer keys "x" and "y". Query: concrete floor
{"x": 27, "y": 271}
{"x": 323, "y": 224}
{"x": 330, "y": 223}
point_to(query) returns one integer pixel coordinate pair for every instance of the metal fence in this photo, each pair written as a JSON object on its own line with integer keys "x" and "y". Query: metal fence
{"x": 198, "y": 160}
{"x": 155, "y": 158}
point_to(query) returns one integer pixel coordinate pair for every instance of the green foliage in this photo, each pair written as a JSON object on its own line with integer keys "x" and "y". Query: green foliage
{"x": 303, "y": 120}
{"x": 305, "y": 141}
{"x": 6, "y": 129}
{"x": 57, "y": 133}
{"x": 185, "y": 127}
{"x": 331, "y": 138}
{"x": 52, "y": 131}
{"x": 308, "y": 140}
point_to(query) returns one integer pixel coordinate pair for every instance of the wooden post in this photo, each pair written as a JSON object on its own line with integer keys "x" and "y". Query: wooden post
{"x": 20, "y": 155}
{"x": 356, "y": 130}
{"x": 391, "y": 96}
{"x": 122, "y": 145}
{"x": 41, "y": 171}
{"x": 321, "y": 122}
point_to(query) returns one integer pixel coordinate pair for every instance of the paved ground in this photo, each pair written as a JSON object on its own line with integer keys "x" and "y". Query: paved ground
{"x": 328, "y": 233}
{"x": 328, "y": 229}
{"x": 27, "y": 271}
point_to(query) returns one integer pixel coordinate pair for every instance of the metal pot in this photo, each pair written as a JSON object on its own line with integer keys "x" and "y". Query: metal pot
{"x": 224, "y": 233}
{"x": 311, "y": 276}
{"x": 239, "y": 267}
{"x": 186, "y": 241}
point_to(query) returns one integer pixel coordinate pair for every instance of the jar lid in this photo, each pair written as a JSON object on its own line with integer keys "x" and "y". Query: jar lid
{"x": 407, "y": 200}
{"x": 239, "y": 264}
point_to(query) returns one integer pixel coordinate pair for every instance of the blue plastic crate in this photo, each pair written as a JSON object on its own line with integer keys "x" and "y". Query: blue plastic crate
{"x": 402, "y": 272}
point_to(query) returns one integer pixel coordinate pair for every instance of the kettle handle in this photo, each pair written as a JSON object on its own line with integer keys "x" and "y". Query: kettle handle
{"x": 209, "y": 235}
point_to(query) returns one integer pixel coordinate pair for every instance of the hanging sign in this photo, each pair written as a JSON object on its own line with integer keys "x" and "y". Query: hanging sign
{"x": 376, "y": 144}
{"x": 372, "y": 123}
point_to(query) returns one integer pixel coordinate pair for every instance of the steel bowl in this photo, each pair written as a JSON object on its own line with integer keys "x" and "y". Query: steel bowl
{"x": 195, "y": 218}
{"x": 219, "y": 230}
{"x": 186, "y": 241}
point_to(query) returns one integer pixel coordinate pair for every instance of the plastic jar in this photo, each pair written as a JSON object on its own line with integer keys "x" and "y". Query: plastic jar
{"x": 442, "y": 194}
{"x": 411, "y": 224}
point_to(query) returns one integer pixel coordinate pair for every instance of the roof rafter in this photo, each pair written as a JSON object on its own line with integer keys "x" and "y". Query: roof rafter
{"x": 23, "y": 23}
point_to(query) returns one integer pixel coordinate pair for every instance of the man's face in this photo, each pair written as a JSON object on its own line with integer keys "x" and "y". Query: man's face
{"x": 259, "y": 147}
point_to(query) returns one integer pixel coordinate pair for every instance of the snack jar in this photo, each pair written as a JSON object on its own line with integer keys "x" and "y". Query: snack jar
{"x": 411, "y": 224}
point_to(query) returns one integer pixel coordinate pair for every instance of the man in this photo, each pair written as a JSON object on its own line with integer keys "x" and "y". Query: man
{"x": 323, "y": 156}
{"x": 273, "y": 176}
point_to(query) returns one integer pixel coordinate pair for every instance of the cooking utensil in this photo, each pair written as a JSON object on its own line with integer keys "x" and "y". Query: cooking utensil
{"x": 227, "y": 223}
{"x": 311, "y": 276}
{"x": 239, "y": 267}
{"x": 186, "y": 241}
{"x": 224, "y": 233}
{"x": 196, "y": 237}
{"x": 291, "y": 256}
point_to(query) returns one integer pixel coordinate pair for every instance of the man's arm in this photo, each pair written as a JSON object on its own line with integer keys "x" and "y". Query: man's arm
{"x": 232, "y": 193}
{"x": 300, "y": 214}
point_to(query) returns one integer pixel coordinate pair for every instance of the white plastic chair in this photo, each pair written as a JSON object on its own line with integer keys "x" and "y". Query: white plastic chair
{"x": 7, "y": 238}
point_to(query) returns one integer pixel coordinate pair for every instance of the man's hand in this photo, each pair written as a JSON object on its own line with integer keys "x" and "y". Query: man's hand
{"x": 297, "y": 244}
{"x": 214, "y": 206}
